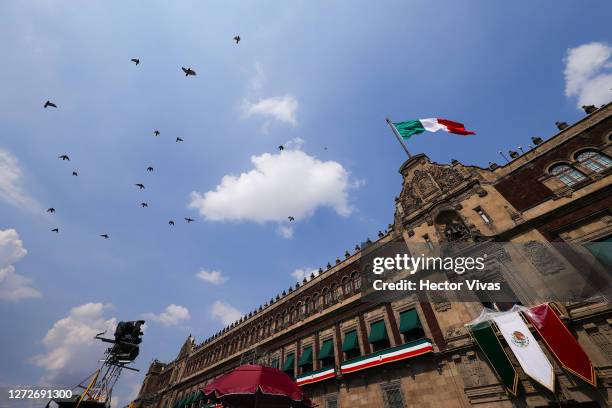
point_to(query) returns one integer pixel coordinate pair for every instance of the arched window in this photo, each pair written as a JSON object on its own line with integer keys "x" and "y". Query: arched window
{"x": 594, "y": 160}
{"x": 356, "y": 281}
{"x": 567, "y": 174}
{"x": 301, "y": 310}
{"x": 316, "y": 301}
{"x": 327, "y": 295}
{"x": 307, "y": 306}
{"x": 346, "y": 284}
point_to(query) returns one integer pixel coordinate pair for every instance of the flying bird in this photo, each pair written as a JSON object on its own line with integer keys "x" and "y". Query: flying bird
{"x": 105, "y": 236}
{"x": 49, "y": 104}
{"x": 140, "y": 186}
{"x": 74, "y": 173}
{"x": 237, "y": 39}
{"x": 281, "y": 147}
{"x": 171, "y": 222}
{"x": 178, "y": 139}
{"x": 291, "y": 218}
{"x": 56, "y": 230}
{"x": 143, "y": 205}
{"x": 149, "y": 168}
{"x": 189, "y": 220}
{"x": 51, "y": 210}
{"x": 188, "y": 71}
{"x": 64, "y": 157}
{"x": 136, "y": 61}
{"x": 156, "y": 132}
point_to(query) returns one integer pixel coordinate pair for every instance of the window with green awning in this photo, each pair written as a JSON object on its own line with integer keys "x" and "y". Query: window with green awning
{"x": 350, "y": 341}
{"x": 378, "y": 332}
{"x": 327, "y": 350}
{"x": 274, "y": 363}
{"x": 289, "y": 360}
{"x": 409, "y": 320}
{"x": 306, "y": 357}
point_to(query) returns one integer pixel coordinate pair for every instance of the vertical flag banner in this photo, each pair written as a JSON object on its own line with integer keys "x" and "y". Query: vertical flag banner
{"x": 526, "y": 349}
{"x": 561, "y": 342}
{"x": 487, "y": 340}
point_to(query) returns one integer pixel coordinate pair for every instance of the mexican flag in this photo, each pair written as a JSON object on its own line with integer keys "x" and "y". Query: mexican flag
{"x": 526, "y": 349}
{"x": 414, "y": 127}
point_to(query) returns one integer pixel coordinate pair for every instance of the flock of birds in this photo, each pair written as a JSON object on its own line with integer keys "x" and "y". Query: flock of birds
{"x": 64, "y": 157}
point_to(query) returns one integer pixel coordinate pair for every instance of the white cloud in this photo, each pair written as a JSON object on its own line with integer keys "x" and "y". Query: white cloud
{"x": 225, "y": 313}
{"x": 10, "y": 183}
{"x": 280, "y": 108}
{"x": 172, "y": 316}
{"x": 289, "y": 183}
{"x": 285, "y": 231}
{"x": 214, "y": 277}
{"x": 301, "y": 273}
{"x": 13, "y": 286}
{"x": 71, "y": 350}
{"x": 588, "y": 73}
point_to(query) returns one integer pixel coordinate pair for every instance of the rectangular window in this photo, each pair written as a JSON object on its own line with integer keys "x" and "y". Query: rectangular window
{"x": 288, "y": 365}
{"x": 331, "y": 401}
{"x": 392, "y": 395}
{"x": 485, "y": 217}
{"x": 306, "y": 360}
{"x": 350, "y": 345}
{"x": 378, "y": 335}
{"x": 410, "y": 325}
{"x": 326, "y": 354}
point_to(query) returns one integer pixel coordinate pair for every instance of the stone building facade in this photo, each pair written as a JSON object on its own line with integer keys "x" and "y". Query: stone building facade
{"x": 339, "y": 342}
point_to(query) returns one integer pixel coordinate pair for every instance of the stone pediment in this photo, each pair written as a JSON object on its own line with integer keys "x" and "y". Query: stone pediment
{"x": 425, "y": 181}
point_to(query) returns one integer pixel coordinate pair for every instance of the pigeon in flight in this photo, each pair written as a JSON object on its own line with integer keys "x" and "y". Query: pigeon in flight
{"x": 64, "y": 157}
{"x": 188, "y": 71}
{"x": 291, "y": 218}
{"x": 156, "y": 132}
{"x": 105, "y": 236}
{"x": 149, "y": 168}
{"x": 281, "y": 147}
{"x": 171, "y": 222}
{"x": 136, "y": 61}
{"x": 143, "y": 205}
{"x": 189, "y": 220}
{"x": 49, "y": 104}
{"x": 74, "y": 173}
{"x": 51, "y": 210}
{"x": 178, "y": 139}
{"x": 140, "y": 186}
{"x": 56, "y": 230}
{"x": 237, "y": 39}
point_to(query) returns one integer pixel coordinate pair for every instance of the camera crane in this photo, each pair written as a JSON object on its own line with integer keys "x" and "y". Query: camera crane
{"x": 98, "y": 387}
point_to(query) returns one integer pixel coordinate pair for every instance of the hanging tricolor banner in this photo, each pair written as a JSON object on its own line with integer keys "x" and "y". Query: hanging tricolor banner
{"x": 561, "y": 342}
{"x": 316, "y": 376}
{"x": 413, "y": 127}
{"x": 526, "y": 349}
{"x": 412, "y": 349}
{"x": 487, "y": 340}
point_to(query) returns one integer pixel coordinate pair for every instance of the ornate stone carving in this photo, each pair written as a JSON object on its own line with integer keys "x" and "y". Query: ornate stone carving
{"x": 409, "y": 201}
{"x": 423, "y": 184}
{"x": 447, "y": 177}
{"x": 542, "y": 258}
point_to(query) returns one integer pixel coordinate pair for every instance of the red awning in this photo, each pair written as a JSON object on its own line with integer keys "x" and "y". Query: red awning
{"x": 257, "y": 386}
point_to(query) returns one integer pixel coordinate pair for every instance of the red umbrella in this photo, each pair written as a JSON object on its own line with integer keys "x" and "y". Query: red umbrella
{"x": 257, "y": 387}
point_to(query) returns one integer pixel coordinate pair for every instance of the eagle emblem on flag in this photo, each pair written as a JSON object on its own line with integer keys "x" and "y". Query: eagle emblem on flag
{"x": 519, "y": 339}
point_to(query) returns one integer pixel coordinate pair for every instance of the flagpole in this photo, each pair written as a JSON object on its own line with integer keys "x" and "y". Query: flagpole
{"x": 399, "y": 138}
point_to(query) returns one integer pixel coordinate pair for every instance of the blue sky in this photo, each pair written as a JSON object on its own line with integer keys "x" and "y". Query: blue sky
{"x": 320, "y": 75}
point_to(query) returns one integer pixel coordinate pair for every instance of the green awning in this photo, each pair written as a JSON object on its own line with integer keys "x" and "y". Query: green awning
{"x": 350, "y": 341}
{"x": 409, "y": 320}
{"x": 289, "y": 362}
{"x": 306, "y": 357}
{"x": 378, "y": 332}
{"x": 176, "y": 404}
{"x": 327, "y": 350}
{"x": 198, "y": 396}
{"x": 602, "y": 250}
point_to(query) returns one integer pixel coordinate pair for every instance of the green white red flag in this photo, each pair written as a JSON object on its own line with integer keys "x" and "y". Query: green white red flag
{"x": 526, "y": 349}
{"x": 413, "y": 127}
{"x": 561, "y": 342}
